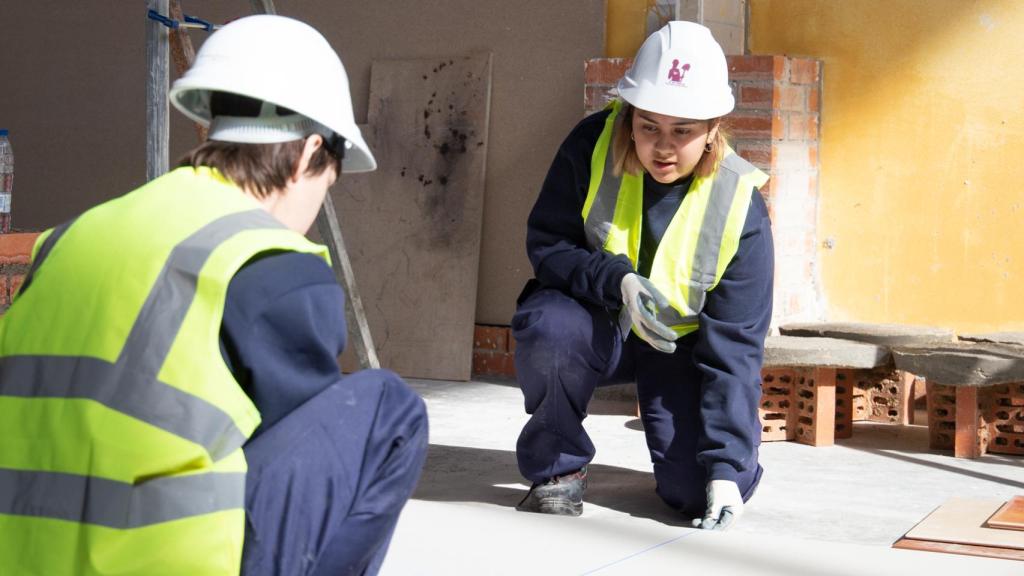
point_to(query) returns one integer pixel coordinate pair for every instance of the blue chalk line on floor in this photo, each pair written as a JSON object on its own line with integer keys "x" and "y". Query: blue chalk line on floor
{"x": 644, "y": 551}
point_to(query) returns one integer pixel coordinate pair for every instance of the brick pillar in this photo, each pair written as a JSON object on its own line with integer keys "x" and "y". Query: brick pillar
{"x": 494, "y": 351}
{"x": 775, "y": 127}
{"x": 15, "y": 252}
{"x": 600, "y": 75}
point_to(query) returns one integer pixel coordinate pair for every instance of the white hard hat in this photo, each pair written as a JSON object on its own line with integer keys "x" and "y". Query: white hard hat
{"x": 679, "y": 71}
{"x": 279, "y": 61}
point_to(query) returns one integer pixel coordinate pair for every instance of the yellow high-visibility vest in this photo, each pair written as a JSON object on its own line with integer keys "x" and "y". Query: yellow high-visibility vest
{"x": 121, "y": 427}
{"x": 700, "y": 240}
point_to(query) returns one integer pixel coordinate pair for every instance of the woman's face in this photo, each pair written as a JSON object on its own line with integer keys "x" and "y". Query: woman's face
{"x": 669, "y": 147}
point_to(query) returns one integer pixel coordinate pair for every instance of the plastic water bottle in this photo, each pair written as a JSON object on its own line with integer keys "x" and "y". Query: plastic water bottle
{"x": 6, "y": 181}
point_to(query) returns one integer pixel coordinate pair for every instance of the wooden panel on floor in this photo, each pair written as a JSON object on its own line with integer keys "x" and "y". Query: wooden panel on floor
{"x": 963, "y": 549}
{"x": 962, "y": 521}
{"x": 1010, "y": 516}
{"x": 413, "y": 227}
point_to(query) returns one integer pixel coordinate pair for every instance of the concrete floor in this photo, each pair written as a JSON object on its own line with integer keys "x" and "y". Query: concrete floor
{"x": 833, "y": 510}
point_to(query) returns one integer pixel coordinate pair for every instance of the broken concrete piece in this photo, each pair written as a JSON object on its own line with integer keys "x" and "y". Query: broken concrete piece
{"x": 881, "y": 334}
{"x": 822, "y": 352}
{"x": 964, "y": 363}
{"x": 1014, "y": 338}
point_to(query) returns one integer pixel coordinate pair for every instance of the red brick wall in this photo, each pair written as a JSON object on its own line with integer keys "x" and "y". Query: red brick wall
{"x": 775, "y": 126}
{"x": 493, "y": 351}
{"x": 15, "y": 251}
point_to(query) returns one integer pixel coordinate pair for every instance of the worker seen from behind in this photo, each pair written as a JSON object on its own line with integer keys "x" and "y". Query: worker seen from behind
{"x": 170, "y": 398}
{"x": 653, "y": 261}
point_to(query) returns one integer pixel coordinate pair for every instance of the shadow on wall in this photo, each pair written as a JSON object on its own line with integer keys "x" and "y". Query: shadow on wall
{"x": 461, "y": 474}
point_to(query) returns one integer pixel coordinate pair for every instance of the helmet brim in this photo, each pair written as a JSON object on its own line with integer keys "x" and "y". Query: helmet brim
{"x": 691, "y": 109}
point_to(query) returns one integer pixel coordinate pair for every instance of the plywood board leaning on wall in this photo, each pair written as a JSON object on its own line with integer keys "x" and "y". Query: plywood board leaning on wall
{"x": 413, "y": 226}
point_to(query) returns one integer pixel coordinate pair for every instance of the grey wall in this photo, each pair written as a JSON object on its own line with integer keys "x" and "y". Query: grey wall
{"x": 72, "y": 92}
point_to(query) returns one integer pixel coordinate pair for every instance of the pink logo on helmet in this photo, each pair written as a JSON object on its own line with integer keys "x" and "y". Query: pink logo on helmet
{"x": 677, "y": 73}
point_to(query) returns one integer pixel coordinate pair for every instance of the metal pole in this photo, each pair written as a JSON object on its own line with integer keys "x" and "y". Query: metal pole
{"x": 330, "y": 231}
{"x": 183, "y": 53}
{"x": 157, "y": 111}
{"x": 263, "y": 7}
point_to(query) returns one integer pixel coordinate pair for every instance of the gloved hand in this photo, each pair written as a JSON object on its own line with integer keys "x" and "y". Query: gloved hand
{"x": 725, "y": 506}
{"x": 641, "y": 303}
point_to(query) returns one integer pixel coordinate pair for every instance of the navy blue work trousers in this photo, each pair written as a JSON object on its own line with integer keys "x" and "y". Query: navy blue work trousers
{"x": 327, "y": 482}
{"x": 565, "y": 348}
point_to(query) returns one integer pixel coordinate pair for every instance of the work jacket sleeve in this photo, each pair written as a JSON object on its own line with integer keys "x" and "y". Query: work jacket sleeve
{"x": 555, "y": 238}
{"x": 282, "y": 331}
{"x": 730, "y": 350}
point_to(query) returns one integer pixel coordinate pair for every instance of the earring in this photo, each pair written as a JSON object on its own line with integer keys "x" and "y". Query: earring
{"x": 707, "y": 146}
{"x": 631, "y": 137}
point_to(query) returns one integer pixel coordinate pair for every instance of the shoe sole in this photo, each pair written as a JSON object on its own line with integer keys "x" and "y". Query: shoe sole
{"x": 559, "y": 507}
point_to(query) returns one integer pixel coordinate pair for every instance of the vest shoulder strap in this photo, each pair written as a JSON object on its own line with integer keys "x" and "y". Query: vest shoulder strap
{"x": 43, "y": 251}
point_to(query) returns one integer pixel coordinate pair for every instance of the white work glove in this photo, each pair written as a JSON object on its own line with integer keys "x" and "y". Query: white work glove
{"x": 725, "y": 506}
{"x": 641, "y": 303}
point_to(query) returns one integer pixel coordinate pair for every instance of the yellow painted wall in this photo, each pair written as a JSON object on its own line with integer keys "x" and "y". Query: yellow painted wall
{"x": 625, "y": 27}
{"x": 921, "y": 154}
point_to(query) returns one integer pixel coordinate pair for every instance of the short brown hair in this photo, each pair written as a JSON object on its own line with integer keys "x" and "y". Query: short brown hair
{"x": 259, "y": 168}
{"x": 624, "y": 152}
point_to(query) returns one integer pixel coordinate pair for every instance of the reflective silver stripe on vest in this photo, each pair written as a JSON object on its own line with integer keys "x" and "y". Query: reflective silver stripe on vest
{"x": 599, "y": 220}
{"x": 130, "y": 385}
{"x": 117, "y": 504}
{"x": 120, "y": 388}
{"x": 709, "y": 243}
{"x": 44, "y": 251}
{"x": 705, "y": 262}
{"x": 161, "y": 316}
{"x": 157, "y": 326}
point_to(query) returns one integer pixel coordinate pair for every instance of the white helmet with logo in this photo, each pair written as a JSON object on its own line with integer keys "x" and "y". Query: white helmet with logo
{"x": 679, "y": 71}
{"x": 282, "y": 62}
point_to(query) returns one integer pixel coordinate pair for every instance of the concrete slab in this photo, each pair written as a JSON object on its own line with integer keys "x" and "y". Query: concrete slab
{"x": 445, "y": 539}
{"x": 1013, "y": 338}
{"x": 964, "y": 363}
{"x": 833, "y": 510}
{"x": 822, "y": 352}
{"x": 882, "y": 334}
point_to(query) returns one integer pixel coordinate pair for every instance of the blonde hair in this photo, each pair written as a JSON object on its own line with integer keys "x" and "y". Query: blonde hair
{"x": 624, "y": 151}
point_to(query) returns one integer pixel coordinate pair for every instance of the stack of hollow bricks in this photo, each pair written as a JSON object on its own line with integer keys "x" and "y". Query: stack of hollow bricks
{"x": 1000, "y": 425}
{"x": 15, "y": 251}
{"x": 789, "y": 402}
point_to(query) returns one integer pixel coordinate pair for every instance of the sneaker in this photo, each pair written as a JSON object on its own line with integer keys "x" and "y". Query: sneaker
{"x": 561, "y": 495}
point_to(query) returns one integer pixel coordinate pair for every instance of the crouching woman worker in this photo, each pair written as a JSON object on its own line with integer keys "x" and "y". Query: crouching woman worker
{"x": 652, "y": 252}
{"x": 170, "y": 399}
